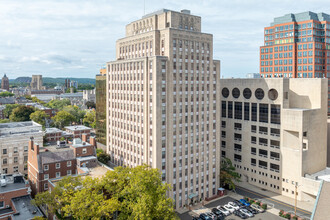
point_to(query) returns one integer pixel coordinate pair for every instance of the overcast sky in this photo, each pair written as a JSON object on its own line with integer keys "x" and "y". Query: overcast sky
{"x": 75, "y": 38}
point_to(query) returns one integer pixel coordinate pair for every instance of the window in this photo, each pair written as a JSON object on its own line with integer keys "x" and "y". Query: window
{"x": 230, "y": 109}
{"x": 68, "y": 163}
{"x": 84, "y": 150}
{"x": 46, "y": 167}
{"x": 223, "y": 109}
{"x": 58, "y": 174}
{"x": 4, "y": 151}
{"x": 15, "y": 149}
{"x": 4, "y": 161}
{"x": 68, "y": 172}
{"x": 253, "y": 128}
{"x": 2, "y": 204}
{"x": 238, "y": 110}
{"x": 254, "y": 111}
{"x": 275, "y": 117}
{"x": 246, "y": 111}
{"x": 58, "y": 166}
{"x": 223, "y": 124}
{"x": 15, "y": 159}
{"x": 25, "y": 148}
{"x": 45, "y": 186}
{"x": 46, "y": 176}
{"x": 263, "y": 113}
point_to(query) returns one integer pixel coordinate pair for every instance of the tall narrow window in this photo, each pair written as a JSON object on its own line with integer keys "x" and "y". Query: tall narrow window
{"x": 246, "y": 111}
{"x": 254, "y": 116}
{"x": 230, "y": 109}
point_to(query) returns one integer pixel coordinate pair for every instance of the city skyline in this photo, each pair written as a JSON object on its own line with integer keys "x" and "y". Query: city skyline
{"x": 77, "y": 38}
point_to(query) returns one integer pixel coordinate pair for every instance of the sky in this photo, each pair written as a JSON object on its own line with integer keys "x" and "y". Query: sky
{"x": 75, "y": 38}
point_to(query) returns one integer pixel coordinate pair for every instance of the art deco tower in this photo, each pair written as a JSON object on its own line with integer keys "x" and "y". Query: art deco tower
{"x": 162, "y": 109}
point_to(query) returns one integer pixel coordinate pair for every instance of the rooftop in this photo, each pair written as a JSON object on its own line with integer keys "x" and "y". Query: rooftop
{"x": 163, "y": 10}
{"x": 18, "y": 124}
{"x": 25, "y": 210}
{"x": 303, "y": 16}
{"x": 19, "y": 128}
{"x": 52, "y": 130}
{"x": 321, "y": 175}
{"x": 54, "y": 154}
{"x": 13, "y": 182}
{"x": 77, "y": 127}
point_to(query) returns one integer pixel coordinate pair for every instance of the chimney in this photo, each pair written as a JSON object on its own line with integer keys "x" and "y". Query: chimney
{"x": 31, "y": 143}
{"x": 84, "y": 137}
{"x": 92, "y": 141}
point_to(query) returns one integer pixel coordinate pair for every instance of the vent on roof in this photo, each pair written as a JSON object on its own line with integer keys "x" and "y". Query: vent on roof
{"x": 185, "y": 11}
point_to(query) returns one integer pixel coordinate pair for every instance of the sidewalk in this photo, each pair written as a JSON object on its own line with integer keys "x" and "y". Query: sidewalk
{"x": 308, "y": 206}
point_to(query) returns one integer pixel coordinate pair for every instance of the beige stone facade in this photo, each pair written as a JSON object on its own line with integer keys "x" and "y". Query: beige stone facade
{"x": 275, "y": 132}
{"x": 14, "y": 139}
{"x": 162, "y": 103}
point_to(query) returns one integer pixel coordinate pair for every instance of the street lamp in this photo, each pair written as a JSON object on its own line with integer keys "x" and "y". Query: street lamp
{"x": 295, "y": 198}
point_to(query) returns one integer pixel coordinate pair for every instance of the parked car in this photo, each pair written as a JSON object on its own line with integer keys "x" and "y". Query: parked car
{"x": 232, "y": 204}
{"x": 211, "y": 215}
{"x": 246, "y": 212}
{"x": 217, "y": 212}
{"x": 258, "y": 208}
{"x": 229, "y": 208}
{"x": 223, "y": 210}
{"x": 240, "y": 214}
{"x": 244, "y": 202}
{"x": 252, "y": 210}
{"x": 203, "y": 216}
{"x": 238, "y": 203}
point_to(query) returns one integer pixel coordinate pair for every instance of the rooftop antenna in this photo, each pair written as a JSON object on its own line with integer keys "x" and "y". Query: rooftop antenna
{"x": 144, "y": 7}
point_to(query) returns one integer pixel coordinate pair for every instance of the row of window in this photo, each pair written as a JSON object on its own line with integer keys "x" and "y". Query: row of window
{"x": 58, "y": 174}
{"x": 5, "y": 160}
{"x": 267, "y": 113}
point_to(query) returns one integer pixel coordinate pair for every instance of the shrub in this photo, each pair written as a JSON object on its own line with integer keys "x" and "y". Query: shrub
{"x": 251, "y": 201}
{"x": 281, "y": 213}
{"x": 258, "y": 203}
{"x": 264, "y": 206}
{"x": 295, "y": 217}
{"x": 287, "y": 216}
{"x": 247, "y": 198}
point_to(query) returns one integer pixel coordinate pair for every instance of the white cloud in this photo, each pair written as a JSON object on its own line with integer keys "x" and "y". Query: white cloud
{"x": 60, "y": 37}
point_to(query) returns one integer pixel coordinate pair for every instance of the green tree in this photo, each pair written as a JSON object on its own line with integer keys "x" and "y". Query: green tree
{"x": 228, "y": 175}
{"x": 76, "y": 112}
{"x": 9, "y": 108}
{"x": 58, "y": 104}
{"x": 68, "y": 90}
{"x": 90, "y": 119}
{"x": 21, "y": 113}
{"x": 6, "y": 94}
{"x": 136, "y": 193}
{"x": 35, "y": 99}
{"x": 102, "y": 156}
{"x": 90, "y": 104}
{"x": 4, "y": 120}
{"x": 63, "y": 118}
{"x": 39, "y": 117}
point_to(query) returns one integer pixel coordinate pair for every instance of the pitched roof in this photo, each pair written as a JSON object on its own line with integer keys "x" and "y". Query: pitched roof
{"x": 58, "y": 156}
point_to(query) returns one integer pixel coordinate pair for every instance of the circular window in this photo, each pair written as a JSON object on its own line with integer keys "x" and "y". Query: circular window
{"x": 259, "y": 94}
{"x": 247, "y": 93}
{"x": 225, "y": 92}
{"x": 272, "y": 94}
{"x": 235, "y": 93}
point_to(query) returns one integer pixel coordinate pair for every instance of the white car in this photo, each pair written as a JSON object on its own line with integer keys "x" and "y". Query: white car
{"x": 223, "y": 210}
{"x": 236, "y": 207}
{"x": 229, "y": 208}
{"x": 246, "y": 212}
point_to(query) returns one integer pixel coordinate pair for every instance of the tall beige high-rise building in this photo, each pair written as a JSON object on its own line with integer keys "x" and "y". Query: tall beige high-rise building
{"x": 36, "y": 83}
{"x": 162, "y": 103}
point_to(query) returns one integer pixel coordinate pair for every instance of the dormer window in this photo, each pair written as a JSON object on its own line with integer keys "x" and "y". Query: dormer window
{"x": 46, "y": 167}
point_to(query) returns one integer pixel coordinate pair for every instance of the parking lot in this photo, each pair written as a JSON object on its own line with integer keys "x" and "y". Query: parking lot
{"x": 224, "y": 201}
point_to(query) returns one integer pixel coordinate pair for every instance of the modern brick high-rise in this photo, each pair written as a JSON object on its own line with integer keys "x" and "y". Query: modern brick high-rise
{"x": 297, "y": 46}
{"x": 162, "y": 103}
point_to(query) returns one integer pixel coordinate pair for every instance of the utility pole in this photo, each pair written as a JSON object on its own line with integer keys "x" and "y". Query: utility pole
{"x": 295, "y": 200}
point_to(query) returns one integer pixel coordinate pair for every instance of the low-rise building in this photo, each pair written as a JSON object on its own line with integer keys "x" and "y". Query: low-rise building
{"x": 14, "y": 138}
{"x": 89, "y": 95}
{"x": 15, "y": 199}
{"x": 60, "y": 160}
{"x": 50, "y": 112}
{"x": 78, "y": 130}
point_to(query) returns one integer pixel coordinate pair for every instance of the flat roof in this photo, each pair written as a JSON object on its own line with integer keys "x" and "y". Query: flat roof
{"x": 321, "y": 175}
{"x": 52, "y": 130}
{"x": 12, "y": 187}
{"x": 25, "y": 209}
{"x": 86, "y": 158}
{"x": 77, "y": 127}
{"x": 18, "y": 124}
